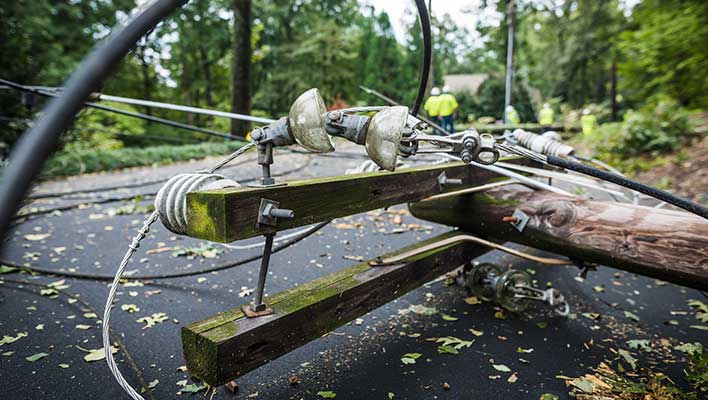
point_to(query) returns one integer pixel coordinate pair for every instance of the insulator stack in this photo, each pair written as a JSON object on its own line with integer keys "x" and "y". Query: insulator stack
{"x": 542, "y": 144}
{"x": 171, "y": 200}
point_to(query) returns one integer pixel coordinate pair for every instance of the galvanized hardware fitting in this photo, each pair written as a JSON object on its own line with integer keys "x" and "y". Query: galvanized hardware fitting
{"x": 269, "y": 212}
{"x": 512, "y": 288}
{"x": 488, "y": 154}
{"x": 443, "y": 180}
{"x": 520, "y": 220}
{"x": 258, "y": 308}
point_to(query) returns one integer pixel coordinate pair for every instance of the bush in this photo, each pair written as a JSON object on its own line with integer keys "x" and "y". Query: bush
{"x": 74, "y": 162}
{"x": 655, "y": 128}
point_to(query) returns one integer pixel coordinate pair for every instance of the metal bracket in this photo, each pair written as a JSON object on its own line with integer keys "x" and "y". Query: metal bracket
{"x": 520, "y": 220}
{"x": 269, "y": 212}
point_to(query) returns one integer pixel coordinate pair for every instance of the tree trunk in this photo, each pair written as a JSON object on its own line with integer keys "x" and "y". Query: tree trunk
{"x": 241, "y": 68}
{"x": 664, "y": 244}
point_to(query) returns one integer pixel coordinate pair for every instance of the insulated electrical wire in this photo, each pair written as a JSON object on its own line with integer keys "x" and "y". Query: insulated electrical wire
{"x": 292, "y": 240}
{"x": 150, "y": 118}
{"x": 659, "y": 194}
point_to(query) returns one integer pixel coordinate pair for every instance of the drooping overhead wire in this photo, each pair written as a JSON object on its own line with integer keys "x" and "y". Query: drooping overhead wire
{"x": 51, "y": 93}
{"x": 427, "y": 55}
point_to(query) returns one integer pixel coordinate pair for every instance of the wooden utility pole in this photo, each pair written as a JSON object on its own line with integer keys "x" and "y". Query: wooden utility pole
{"x": 241, "y": 66}
{"x": 664, "y": 244}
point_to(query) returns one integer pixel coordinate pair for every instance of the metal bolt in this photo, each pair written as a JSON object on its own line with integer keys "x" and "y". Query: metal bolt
{"x": 272, "y": 211}
{"x": 509, "y": 219}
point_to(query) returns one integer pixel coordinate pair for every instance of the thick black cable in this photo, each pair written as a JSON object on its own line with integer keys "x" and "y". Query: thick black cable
{"x": 163, "y": 121}
{"x": 35, "y": 145}
{"x": 427, "y": 54}
{"x": 630, "y": 184}
{"x": 96, "y": 277}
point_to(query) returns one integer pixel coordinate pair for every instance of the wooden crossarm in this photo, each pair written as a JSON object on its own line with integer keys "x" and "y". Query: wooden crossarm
{"x": 228, "y": 215}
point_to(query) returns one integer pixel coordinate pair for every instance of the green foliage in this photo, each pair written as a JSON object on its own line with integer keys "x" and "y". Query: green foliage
{"x": 665, "y": 52}
{"x": 92, "y": 160}
{"x": 655, "y": 128}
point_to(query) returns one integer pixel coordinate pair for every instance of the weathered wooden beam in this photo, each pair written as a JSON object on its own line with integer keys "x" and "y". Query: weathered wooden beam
{"x": 664, "y": 244}
{"x": 231, "y": 214}
{"x": 222, "y": 347}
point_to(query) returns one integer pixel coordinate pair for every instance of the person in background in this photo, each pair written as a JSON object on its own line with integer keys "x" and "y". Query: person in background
{"x": 511, "y": 117}
{"x": 545, "y": 117}
{"x": 448, "y": 110}
{"x": 432, "y": 105}
{"x": 587, "y": 122}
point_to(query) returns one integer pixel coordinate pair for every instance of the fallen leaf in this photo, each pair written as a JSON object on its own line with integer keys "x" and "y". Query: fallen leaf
{"x": 131, "y": 308}
{"x": 12, "y": 339}
{"x": 449, "y": 317}
{"x": 152, "y": 320}
{"x": 83, "y": 327}
{"x": 98, "y": 354}
{"x": 33, "y": 237}
{"x": 522, "y": 350}
{"x": 419, "y": 309}
{"x": 701, "y": 327}
{"x": 690, "y": 348}
{"x": 476, "y": 332}
{"x": 473, "y": 300}
{"x": 64, "y": 366}
{"x": 631, "y": 316}
{"x": 36, "y": 357}
{"x": 447, "y": 350}
{"x": 513, "y": 378}
{"x": 501, "y": 367}
{"x": 409, "y": 358}
{"x": 327, "y": 395}
{"x": 153, "y": 384}
{"x": 628, "y": 357}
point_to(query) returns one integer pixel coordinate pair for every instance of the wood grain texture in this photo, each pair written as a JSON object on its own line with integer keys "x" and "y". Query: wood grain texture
{"x": 231, "y": 214}
{"x": 227, "y": 345}
{"x": 664, "y": 244}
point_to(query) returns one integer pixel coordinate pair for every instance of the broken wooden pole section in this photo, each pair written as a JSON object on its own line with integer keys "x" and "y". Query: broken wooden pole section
{"x": 227, "y": 215}
{"x": 227, "y": 345}
{"x": 664, "y": 244}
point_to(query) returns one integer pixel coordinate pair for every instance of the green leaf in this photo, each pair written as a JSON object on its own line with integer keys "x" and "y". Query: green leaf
{"x": 501, "y": 367}
{"x": 36, "y": 357}
{"x": 542, "y": 324}
{"x": 644, "y": 344}
{"x": 449, "y": 317}
{"x": 701, "y": 327}
{"x": 64, "y": 366}
{"x": 4, "y": 269}
{"x": 583, "y": 384}
{"x": 391, "y": 396}
{"x": 453, "y": 341}
{"x": 327, "y": 395}
{"x": 98, "y": 354}
{"x": 628, "y": 358}
{"x": 549, "y": 396}
{"x": 191, "y": 388}
{"x": 690, "y": 348}
{"x": 447, "y": 350}
{"x": 522, "y": 350}
{"x": 409, "y": 358}
{"x": 12, "y": 339}
{"x": 476, "y": 332}
{"x": 631, "y": 316}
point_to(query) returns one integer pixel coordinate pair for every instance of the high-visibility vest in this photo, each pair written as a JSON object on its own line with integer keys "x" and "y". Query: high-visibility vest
{"x": 545, "y": 117}
{"x": 587, "y": 123}
{"x": 448, "y": 104}
{"x": 432, "y": 106}
{"x": 512, "y": 117}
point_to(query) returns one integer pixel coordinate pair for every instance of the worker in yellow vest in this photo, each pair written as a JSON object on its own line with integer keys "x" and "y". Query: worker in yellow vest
{"x": 432, "y": 105}
{"x": 545, "y": 117}
{"x": 511, "y": 117}
{"x": 448, "y": 110}
{"x": 587, "y": 122}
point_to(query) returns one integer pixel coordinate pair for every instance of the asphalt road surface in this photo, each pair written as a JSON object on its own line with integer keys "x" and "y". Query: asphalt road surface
{"x": 361, "y": 360}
